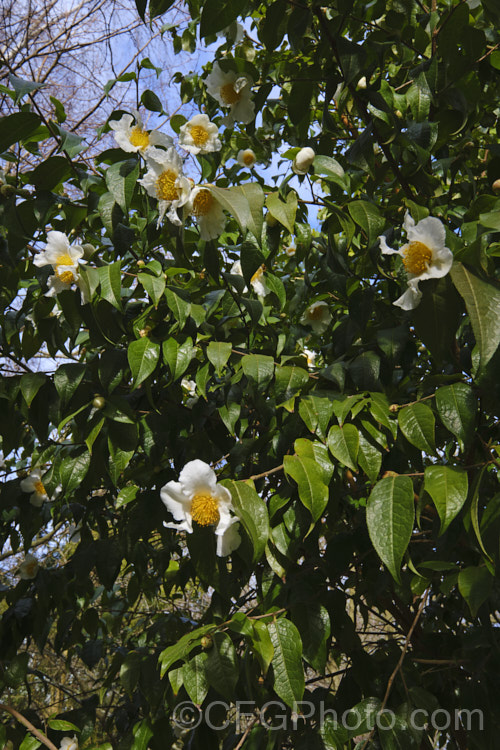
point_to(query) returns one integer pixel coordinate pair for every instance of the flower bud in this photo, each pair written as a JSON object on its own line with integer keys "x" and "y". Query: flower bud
{"x": 246, "y": 158}
{"x": 394, "y": 408}
{"x": 496, "y": 186}
{"x": 98, "y": 402}
{"x": 303, "y": 160}
{"x": 88, "y": 250}
{"x": 207, "y": 642}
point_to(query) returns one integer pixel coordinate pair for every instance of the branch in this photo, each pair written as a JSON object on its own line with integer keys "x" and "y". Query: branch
{"x": 29, "y": 726}
{"x": 400, "y": 663}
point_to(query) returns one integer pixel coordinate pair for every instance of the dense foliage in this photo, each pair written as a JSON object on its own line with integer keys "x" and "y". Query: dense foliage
{"x": 251, "y": 326}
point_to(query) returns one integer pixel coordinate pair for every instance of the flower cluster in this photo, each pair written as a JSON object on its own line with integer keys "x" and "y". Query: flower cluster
{"x": 65, "y": 259}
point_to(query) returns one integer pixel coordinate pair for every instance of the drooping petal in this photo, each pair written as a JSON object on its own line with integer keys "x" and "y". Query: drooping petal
{"x": 411, "y": 298}
{"x": 228, "y": 539}
{"x": 385, "y": 247}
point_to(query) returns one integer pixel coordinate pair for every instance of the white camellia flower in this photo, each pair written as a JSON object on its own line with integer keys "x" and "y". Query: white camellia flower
{"x": 165, "y": 181}
{"x": 190, "y": 387}
{"x": 258, "y": 284}
{"x": 197, "y": 497}
{"x": 134, "y": 137}
{"x": 311, "y": 358}
{"x": 303, "y": 160}
{"x": 199, "y": 136}
{"x": 317, "y": 316}
{"x": 28, "y": 568}
{"x": 246, "y": 157}
{"x": 425, "y": 256}
{"x": 65, "y": 259}
{"x": 208, "y": 213}
{"x": 234, "y": 91}
{"x": 290, "y": 251}
{"x": 33, "y": 483}
{"x": 68, "y": 743}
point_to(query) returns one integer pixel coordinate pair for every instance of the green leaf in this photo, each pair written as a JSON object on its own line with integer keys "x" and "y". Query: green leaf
{"x": 343, "y": 443}
{"x": 475, "y": 585}
{"x": 62, "y": 726}
{"x": 262, "y": 645}
{"x": 218, "y": 352}
{"x": 390, "y": 513}
{"x": 15, "y": 128}
{"x": 31, "y": 382}
{"x": 67, "y": 378}
{"x": 30, "y": 743}
{"x": 417, "y": 425}
{"x": 127, "y": 495}
{"x": 313, "y": 492}
{"x": 51, "y": 172}
{"x": 154, "y": 286}
{"x": 369, "y": 218}
{"x": 438, "y": 316}
{"x": 448, "y": 488}
{"x": 179, "y": 307}
{"x": 283, "y": 212}
{"x": 182, "y": 648}
{"x": 316, "y": 412}
{"x": 178, "y": 356}
{"x": 110, "y": 278}
{"x": 217, "y": 14}
{"x": 319, "y": 453}
{"x": 419, "y": 98}
{"x": 194, "y": 678}
{"x": 142, "y": 734}
{"x": 252, "y": 511}
{"x": 93, "y": 433}
{"x": 289, "y": 680}
{"x": 259, "y": 368}
{"x": 74, "y": 470}
{"x": 150, "y": 100}
{"x": 369, "y": 458}
{"x": 245, "y": 202}
{"x": 482, "y": 301}
{"x": 121, "y": 179}
{"x": 22, "y": 87}
{"x": 313, "y": 622}
{"x": 143, "y": 355}
{"x": 289, "y": 382}
{"x": 221, "y": 666}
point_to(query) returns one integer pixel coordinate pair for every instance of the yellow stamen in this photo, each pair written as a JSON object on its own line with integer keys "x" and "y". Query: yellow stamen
{"x": 416, "y": 257}
{"x": 40, "y": 488}
{"x": 228, "y": 94}
{"x": 248, "y": 158}
{"x": 165, "y": 186}
{"x": 202, "y": 203}
{"x": 258, "y": 273}
{"x": 64, "y": 260}
{"x": 139, "y": 137}
{"x": 205, "y": 510}
{"x": 67, "y": 277}
{"x": 199, "y": 135}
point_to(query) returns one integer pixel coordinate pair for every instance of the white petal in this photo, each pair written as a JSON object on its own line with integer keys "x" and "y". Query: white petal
{"x": 197, "y": 476}
{"x": 411, "y": 298}
{"x": 430, "y": 232}
{"x": 385, "y": 247}
{"x": 175, "y": 500}
{"x": 408, "y": 223}
{"x": 228, "y": 540}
